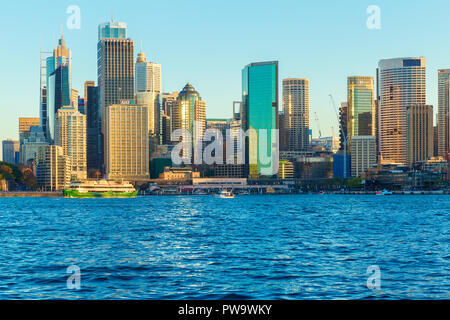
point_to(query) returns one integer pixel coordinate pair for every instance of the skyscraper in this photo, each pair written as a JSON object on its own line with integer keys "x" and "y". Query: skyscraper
{"x": 59, "y": 85}
{"x": 115, "y": 68}
{"x": 296, "y": 113}
{"x": 167, "y": 105}
{"x": 189, "y": 113}
{"x": 401, "y": 83}
{"x": 361, "y": 106}
{"x": 260, "y": 112}
{"x": 148, "y": 90}
{"x": 443, "y": 115}
{"x": 343, "y": 115}
{"x": 419, "y": 133}
{"x": 70, "y": 134}
{"x": 127, "y": 142}
{"x": 94, "y": 135}
{"x": 87, "y": 84}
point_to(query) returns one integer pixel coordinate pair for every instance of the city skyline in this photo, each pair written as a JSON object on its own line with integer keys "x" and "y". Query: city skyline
{"x": 178, "y": 67}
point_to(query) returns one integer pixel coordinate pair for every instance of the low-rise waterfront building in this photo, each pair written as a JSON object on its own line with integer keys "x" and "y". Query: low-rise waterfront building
{"x": 179, "y": 174}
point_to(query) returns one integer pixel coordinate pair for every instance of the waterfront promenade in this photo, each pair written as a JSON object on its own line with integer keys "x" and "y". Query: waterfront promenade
{"x": 34, "y": 194}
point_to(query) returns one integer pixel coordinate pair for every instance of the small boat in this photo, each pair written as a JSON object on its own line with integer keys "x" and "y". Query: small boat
{"x": 322, "y": 192}
{"x": 225, "y": 194}
{"x": 384, "y": 193}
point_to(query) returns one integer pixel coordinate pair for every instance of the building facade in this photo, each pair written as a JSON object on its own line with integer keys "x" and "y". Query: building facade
{"x": 53, "y": 168}
{"x": 9, "y": 150}
{"x": 127, "y": 142}
{"x": 295, "y": 122}
{"x": 59, "y": 86}
{"x": 189, "y": 113}
{"x": 30, "y": 143}
{"x": 70, "y": 128}
{"x": 148, "y": 91}
{"x": 115, "y": 69}
{"x": 401, "y": 83}
{"x": 443, "y": 116}
{"x": 361, "y": 106}
{"x": 260, "y": 112}
{"x": 419, "y": 129}
{"x": 25, "y": 124}
{"x": 363, "y": 154}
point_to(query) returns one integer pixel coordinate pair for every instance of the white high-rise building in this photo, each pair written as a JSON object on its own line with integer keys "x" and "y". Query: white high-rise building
{"x": 70, "y": 128}
{"x": 148, "y": 75}
{"x": 401, "y": 83}
{"x": 148, "y": 90}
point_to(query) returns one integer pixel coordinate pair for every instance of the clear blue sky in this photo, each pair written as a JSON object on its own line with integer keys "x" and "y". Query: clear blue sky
{"x": 209, "y": 42}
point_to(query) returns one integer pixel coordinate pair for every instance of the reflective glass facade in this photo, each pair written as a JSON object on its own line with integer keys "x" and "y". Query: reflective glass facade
{"x": 259, "y": 111}
{"x": 361, "y": 106}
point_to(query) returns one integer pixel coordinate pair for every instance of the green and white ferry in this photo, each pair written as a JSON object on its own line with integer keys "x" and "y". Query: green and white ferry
{"x": 100, "y": 189}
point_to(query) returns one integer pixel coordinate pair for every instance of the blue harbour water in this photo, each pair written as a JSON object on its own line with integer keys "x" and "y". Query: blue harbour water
{"x": 204, "y": 247}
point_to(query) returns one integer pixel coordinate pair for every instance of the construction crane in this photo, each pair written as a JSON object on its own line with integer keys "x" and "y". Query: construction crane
{"x": 344, "y": 135}
{"x": 316, "y": 118}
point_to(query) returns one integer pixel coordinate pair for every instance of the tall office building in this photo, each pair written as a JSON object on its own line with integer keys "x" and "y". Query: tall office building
{"x": 419, "y": 133}
{"x": 87, "y": 84}
{"x": 94, "y": 134}
{"x": 59, "y": 85}
{"x": 148, "y": 75}
{"x": 148, "y": 90}
{"x": 361, "y": 106}
{"x": 9, "y": 149}
{"x": 296, "y": 113}
{"x": 260, "y": 112}
{"x": 127, "y": 142}
{"x": 189, "y": 113}
{"x": 115, "y": 68}
{"x": 70, "y": 134}
{"x": 443, "y": 116}
{"x": 167, "y": 105}
{"x": 363, "y": 154}
{"x": 401, "y": 83}
{"x": 53, "y": 170}
{"x": 343, "y": 115}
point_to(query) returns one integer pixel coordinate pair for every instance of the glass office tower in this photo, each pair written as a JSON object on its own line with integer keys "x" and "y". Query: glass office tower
{"x": 59, "y": 85}
{"x": 361, "y": 106}
{"x": 115, "y": 70}
{"x": 259, "y": 112}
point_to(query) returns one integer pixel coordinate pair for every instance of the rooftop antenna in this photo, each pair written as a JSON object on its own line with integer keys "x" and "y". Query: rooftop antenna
{"x": 141, "y": 45}
{"x": 61, "y": 31}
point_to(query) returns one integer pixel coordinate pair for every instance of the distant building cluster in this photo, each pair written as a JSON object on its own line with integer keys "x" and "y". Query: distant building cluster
{"x": 122, "y": 128}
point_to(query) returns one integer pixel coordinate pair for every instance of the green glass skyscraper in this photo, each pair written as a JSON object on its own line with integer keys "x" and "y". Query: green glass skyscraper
{"x": 259, "y": 112}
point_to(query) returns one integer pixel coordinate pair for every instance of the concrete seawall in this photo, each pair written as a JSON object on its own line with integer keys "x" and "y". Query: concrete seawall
{"x": 34, "y": 194}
